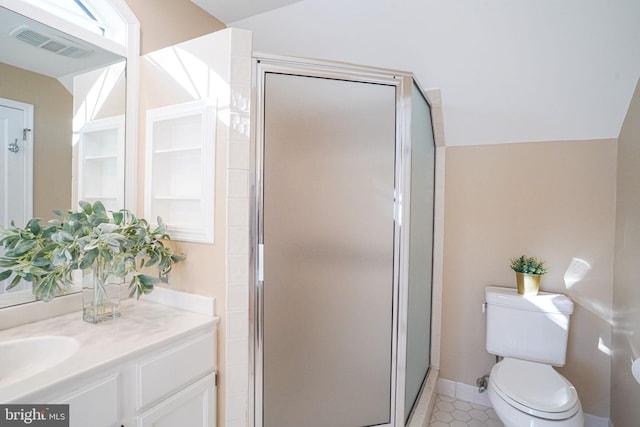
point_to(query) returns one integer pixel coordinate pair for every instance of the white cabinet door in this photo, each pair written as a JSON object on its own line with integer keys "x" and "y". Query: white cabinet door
{"x": 195, "y": 406}
{"x": 95, "y": 404}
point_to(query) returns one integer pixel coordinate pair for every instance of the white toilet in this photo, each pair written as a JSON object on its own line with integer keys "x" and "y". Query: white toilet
{"x": 531, "y": 333}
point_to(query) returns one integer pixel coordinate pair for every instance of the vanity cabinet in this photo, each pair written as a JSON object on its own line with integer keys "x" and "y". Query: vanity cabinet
{"x": 173, "y": 384}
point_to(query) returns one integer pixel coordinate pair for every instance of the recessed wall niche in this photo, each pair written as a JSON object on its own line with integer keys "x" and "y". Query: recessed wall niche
{"x": 101, "y": 164}
{"x": 179, "y": 169}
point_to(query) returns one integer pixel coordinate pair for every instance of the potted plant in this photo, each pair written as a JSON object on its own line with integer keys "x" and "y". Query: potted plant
{"x": 528, "y": 270}
{"x": 114, "y": 245}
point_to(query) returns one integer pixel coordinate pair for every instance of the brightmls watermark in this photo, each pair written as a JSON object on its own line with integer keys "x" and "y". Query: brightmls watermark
{"x": 34, "y": 415}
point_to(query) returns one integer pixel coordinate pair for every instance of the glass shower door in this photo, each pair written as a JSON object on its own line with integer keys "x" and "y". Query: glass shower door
{"x": 327, "y": 226}
{"x": 420, "y": 249}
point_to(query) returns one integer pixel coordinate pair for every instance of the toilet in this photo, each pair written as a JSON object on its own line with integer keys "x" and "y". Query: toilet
{"x": 530, "y": 333}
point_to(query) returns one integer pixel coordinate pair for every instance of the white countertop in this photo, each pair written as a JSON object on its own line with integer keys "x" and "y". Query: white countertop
{"x": 141, "y": 327}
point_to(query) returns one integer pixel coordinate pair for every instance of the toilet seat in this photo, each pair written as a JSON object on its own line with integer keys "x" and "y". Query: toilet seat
{"x": 534, "y": 388}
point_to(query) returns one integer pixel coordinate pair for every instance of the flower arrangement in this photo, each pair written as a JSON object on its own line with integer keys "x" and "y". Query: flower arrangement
{"x": 115, "y": 243}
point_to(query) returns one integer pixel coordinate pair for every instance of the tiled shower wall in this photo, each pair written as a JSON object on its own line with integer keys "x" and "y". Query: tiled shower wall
{"x": 237, "y": 244}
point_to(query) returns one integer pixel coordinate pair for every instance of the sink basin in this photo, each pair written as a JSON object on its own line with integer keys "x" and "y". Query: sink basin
{"x": 24, "y": 358}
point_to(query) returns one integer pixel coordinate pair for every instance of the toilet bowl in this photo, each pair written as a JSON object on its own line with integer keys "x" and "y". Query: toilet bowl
{"x": 531, "y": 394}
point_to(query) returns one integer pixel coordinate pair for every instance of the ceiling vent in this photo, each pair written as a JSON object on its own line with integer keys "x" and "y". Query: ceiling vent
{"x": 56, "y": 45}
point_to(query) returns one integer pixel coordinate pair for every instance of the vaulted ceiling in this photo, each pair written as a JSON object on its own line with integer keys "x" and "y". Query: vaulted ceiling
{"x": 234, "y": 10}
{"x": 509, "y": 71}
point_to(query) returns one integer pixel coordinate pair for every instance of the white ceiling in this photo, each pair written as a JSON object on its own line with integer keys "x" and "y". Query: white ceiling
{"x": 234, "y": 10}
{"x": 23, "y": 55}
{"x": 509, "y": 71}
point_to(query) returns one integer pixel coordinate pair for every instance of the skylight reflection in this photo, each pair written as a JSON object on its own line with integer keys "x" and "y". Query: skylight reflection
{"x": 98, "y": 94}
{"x": 193, "y": 75}
{"x": 604, "y": 348}
{"x": 576, "y": 271}
{"x": 549, "y": 305}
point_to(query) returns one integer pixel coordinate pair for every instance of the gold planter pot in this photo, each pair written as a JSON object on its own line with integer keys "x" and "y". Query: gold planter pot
{"x": 528, "y": 284}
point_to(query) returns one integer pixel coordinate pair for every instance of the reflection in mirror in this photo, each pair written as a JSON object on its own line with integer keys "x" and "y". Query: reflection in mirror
{"x": 62, "y": 108}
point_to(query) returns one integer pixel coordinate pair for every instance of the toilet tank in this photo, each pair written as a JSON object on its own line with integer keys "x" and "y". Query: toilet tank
{"x": 532, "y": 328}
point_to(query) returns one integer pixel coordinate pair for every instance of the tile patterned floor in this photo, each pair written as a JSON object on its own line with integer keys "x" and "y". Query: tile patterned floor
{"x": 449, "y": 412}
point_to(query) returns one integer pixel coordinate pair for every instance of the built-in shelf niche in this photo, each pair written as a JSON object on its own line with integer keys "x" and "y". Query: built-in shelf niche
{"x": 101, "y": 162}
{"x": 179, "y": 169}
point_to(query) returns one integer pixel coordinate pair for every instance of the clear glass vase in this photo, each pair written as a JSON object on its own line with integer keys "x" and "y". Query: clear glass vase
{"x": 100, "y": 294}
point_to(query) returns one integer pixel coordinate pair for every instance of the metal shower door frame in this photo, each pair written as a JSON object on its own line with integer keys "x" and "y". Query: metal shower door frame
{"x": 403, "y": 82}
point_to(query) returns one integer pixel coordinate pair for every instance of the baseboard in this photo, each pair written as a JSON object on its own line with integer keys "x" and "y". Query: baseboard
{"x": 471, "y": 394}
{"x": 462, "y": 391}
{"x": 593, "y": 421}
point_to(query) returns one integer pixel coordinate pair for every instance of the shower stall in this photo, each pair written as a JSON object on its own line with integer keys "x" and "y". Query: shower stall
{"x": 342, "y": 245}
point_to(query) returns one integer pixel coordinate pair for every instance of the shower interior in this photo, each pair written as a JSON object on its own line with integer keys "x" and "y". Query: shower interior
{"x": 342, "y": 245}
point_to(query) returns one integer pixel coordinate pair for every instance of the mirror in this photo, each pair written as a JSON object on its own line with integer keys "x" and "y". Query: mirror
{"x": 73, "y": 149}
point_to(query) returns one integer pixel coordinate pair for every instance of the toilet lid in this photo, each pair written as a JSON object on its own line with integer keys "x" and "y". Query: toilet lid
{"x": 535, "y": 388}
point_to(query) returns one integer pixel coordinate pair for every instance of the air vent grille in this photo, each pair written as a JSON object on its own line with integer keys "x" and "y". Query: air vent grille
{"x": 31, "y": 37}
{"x": 56, "y": 45}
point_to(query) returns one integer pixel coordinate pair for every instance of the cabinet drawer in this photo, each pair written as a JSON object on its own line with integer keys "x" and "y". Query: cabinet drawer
{"x": 194, "y": 406}
{"x": 95, "y": 404}
{"x": 169, "y": 371}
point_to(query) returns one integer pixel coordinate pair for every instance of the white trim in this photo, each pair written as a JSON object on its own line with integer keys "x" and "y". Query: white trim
{"x": 133, "y": 95}
{"x": 438, "y": 257}
{"x": 132, "y": 121}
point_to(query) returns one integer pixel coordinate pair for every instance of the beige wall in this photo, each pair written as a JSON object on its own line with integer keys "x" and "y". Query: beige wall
{"x": 167, "y": 22}
{"x": 554, "y": 200}
{"x": 625, "y": 392}
{"x": 52, "y": 135}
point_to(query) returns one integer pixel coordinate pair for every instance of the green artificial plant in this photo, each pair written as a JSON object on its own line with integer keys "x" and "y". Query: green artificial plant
{"x": 528, "y": 265}
{"x": 46, "y": 255}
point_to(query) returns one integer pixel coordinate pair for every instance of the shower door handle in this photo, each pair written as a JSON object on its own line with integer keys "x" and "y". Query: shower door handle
{"x": 261, "y": 262}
